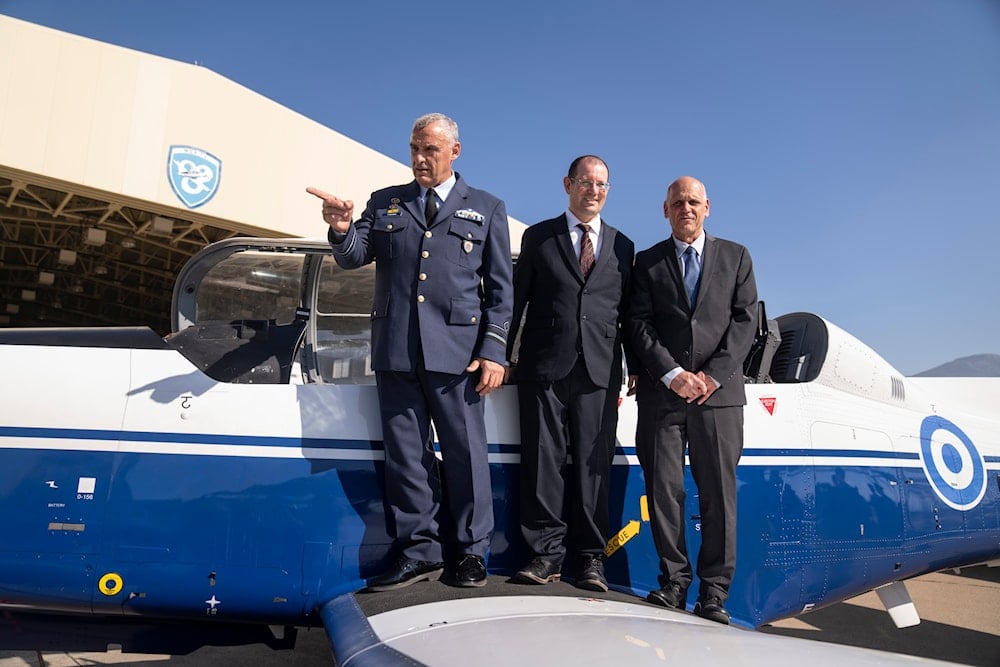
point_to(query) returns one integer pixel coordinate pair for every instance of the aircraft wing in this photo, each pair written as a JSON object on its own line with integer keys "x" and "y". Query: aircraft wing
{"x": 563, "y": 629}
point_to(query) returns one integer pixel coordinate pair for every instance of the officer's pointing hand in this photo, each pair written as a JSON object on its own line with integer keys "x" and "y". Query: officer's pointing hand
{"x": 337, "y": 212}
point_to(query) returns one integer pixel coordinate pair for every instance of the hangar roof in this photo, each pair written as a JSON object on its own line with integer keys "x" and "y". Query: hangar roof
{"x": 109, "y": 182}
{"x": 69, "y": 258}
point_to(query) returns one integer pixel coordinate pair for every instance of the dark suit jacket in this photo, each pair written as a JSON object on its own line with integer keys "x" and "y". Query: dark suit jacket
{"x": 561, "y": 309}
{"x": 714, "y": 338}
{"x": 445, "y": 287}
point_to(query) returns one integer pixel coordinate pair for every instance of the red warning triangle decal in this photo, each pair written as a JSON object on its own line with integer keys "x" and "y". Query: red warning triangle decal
{"x": 768, "y": 403}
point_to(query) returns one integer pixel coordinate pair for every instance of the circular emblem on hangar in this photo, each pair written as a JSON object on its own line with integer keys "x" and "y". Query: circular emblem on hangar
{"x": 953, "y": 465}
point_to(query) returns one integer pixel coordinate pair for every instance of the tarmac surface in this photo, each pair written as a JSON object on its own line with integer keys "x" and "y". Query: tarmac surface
{"x": 960, "y": 622}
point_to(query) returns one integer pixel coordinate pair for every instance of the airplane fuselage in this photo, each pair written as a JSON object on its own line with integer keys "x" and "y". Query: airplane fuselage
{"x": 134, "y": 483}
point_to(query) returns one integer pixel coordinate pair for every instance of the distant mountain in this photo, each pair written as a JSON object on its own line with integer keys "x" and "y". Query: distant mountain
{"x": 978, "y": 365}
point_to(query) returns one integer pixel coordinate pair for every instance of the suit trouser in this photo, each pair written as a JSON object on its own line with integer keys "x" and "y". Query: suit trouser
{"x": 569, "y": 417}
{"x": 714, "y": 440}
{"x": 414, "y": 494}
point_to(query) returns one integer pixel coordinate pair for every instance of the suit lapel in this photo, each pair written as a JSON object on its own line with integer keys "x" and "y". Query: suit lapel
{"x": 673, "y": 266}
{"x": 456, "y": 200}
{"x": 560, "y": 230}
{"x": 412, "y": 203}
{"x": 707, "y": 265}
{"x": 607, "y": 246}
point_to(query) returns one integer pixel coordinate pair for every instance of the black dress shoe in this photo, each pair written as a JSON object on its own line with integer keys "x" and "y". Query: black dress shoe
{"x": 470, "y": 572}
{"x": 538, "y": 571}
{"x": 406, "y": 571}
{"x": 590, "y": 574}
{"x": 673, "y": 596}
{"x": 710, "y": 607}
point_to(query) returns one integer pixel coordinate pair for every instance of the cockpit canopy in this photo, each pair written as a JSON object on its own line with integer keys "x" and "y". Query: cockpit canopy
{"x": 281, "y": 310}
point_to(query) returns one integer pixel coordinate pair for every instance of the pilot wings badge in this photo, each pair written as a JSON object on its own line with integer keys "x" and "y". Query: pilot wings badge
{"x": 193, "y": 174}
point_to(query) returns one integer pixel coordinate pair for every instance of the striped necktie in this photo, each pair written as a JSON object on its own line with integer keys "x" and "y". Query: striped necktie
{"x": 586, "y": 251}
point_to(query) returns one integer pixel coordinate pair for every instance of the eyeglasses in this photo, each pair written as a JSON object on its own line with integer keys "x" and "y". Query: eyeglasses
{"x": 586, "y": 185}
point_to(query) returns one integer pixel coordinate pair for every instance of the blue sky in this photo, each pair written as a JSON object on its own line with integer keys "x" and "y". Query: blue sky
{"x": 852, "y": 145}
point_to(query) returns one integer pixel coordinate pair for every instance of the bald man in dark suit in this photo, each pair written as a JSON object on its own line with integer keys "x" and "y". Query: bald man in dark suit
{"x": 692, "y": 320}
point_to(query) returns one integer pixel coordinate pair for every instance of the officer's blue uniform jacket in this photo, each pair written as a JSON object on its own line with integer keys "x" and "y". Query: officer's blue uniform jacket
{"x": 446, "y": 287}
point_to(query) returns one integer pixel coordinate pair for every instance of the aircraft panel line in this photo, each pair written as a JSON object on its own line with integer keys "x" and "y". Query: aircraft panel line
{"x": 187, "y": 444}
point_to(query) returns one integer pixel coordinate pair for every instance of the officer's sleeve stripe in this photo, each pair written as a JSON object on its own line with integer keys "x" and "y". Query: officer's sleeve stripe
{"x": 497, "y": 333}
{"x": 351, "y": 240}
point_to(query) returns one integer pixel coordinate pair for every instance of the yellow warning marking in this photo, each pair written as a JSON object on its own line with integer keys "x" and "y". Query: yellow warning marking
{"x": 110, "y": 584}
{"x": 630, "y": 530}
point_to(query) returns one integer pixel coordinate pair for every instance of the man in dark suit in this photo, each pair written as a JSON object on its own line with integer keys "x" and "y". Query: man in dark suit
{"x": 692, "y": 320}
{"x": 570, "y": 282}
{"x": 440, "y": 316}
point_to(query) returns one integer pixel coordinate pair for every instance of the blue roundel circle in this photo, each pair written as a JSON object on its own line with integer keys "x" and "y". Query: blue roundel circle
{"x": 953, "y": 465}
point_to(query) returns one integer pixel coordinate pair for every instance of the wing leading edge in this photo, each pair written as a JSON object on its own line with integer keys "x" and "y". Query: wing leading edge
{"x": 554, "y": 629}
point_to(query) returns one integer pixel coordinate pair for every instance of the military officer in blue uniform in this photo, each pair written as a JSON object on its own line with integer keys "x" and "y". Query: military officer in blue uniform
{"x": 440, "y": 316}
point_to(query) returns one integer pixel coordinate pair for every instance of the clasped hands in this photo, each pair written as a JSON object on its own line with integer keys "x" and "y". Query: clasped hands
{"x": 693, "y": 386}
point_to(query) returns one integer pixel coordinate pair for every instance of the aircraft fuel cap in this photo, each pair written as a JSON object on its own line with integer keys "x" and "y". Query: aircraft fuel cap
{"x": 110, "y": 584}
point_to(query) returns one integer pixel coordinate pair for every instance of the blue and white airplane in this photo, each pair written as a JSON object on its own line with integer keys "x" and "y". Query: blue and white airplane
{"x": 231, "y": 474}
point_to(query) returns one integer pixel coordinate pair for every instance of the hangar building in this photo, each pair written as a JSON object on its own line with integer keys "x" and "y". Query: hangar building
{"x": 116, "y": 166}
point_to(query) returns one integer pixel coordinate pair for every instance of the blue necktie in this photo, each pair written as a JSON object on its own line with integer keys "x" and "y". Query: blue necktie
{"x": 692, "y": 274}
